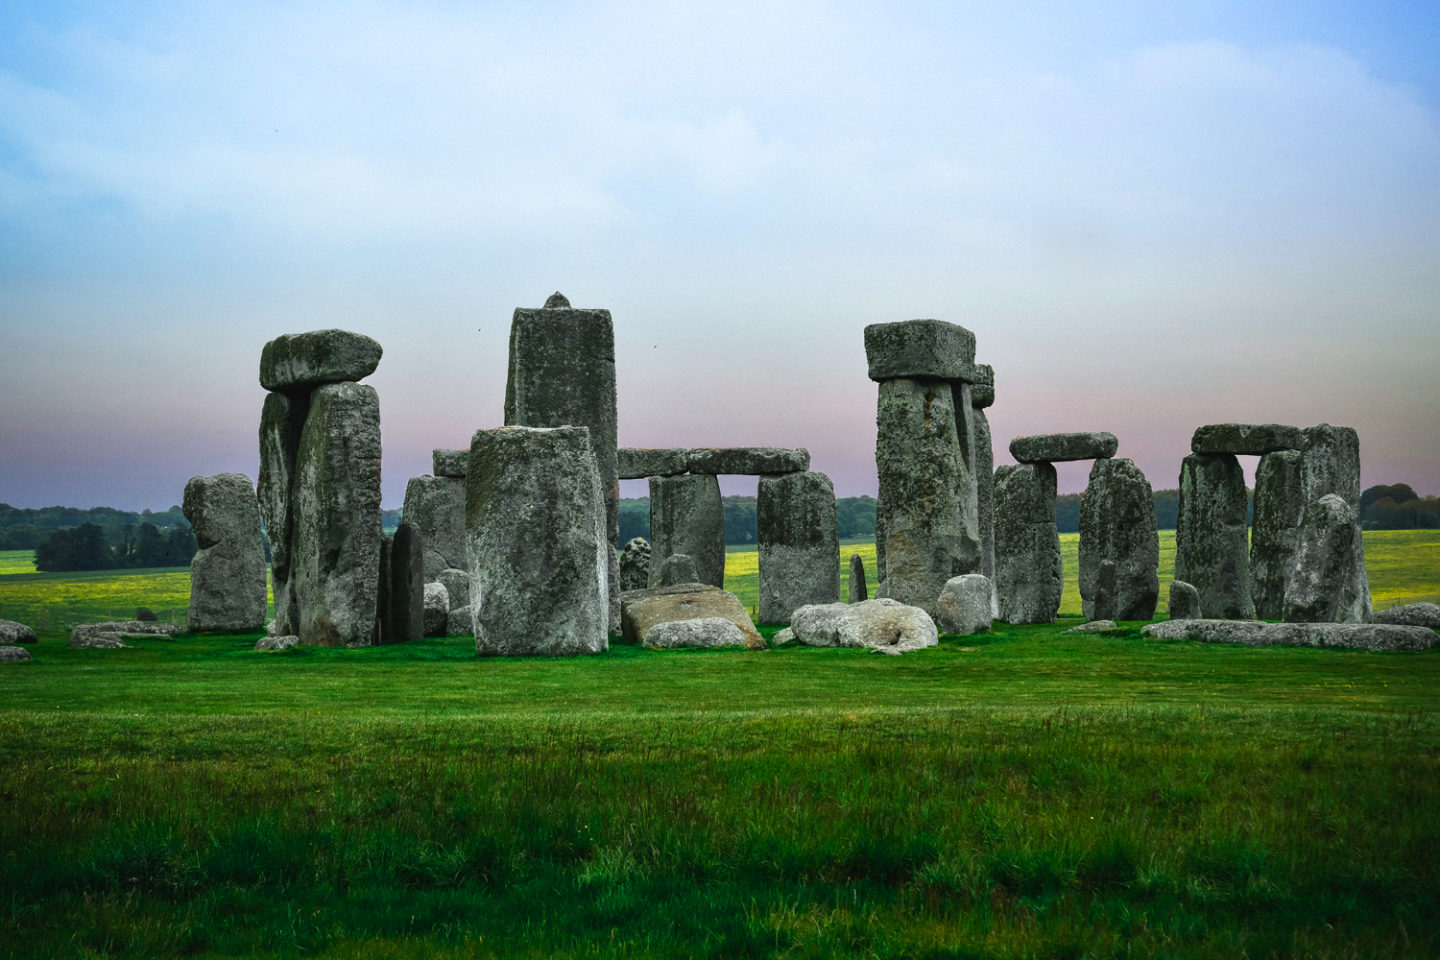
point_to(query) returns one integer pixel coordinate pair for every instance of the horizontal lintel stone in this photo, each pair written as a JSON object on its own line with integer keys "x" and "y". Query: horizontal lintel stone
{"x": 300, "y": 360}
{"x": 920, "y": 349}
{"x": 637, "y": 463}
{"x": 1246, "y": 439}
{"x": 748, "y": 460}
{"x": 1056, "y": 447}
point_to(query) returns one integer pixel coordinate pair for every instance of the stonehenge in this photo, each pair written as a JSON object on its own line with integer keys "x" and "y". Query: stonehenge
{"x": 1119, "y": 546}
{"x": 798, "y": 544}
{"x": 227, "y": 573}
{"x": 1029, "y": 573}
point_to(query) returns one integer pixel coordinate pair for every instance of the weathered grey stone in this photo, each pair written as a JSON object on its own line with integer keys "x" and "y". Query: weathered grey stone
{"x": 1328, "y": 582}
{"x": 858, "y": 591}
{"x": 457, "y": 586}
{"x": 1117, "y": 526}
{"x": 336, "y": 549}
{"x": 1095, "y": 626}
{"x": 303, "y": 360}
{"x": 227, "y": 573}
{"x": 636, "y": 463}
{"x": 964, "y": 604}
{"x": 437, "y": 609}
{"x": 460, "y": 621}
{"x": 1254, "y": 439}
{"x": 678, "y": 568}
{"x": 449, "y": 463}
{"x": 1212, "y": 545}
{"x": 700, "y": 632}
{"x": 535, "y": 534}
{"x": 1029, "y": 574}
{"x": 557, "y": 301}
{"x": 982, "y": 392}
{"x": 748, "y": 460}
{"x": 924, "y": 532}
{"x": 1410, "y": 614}
{"x": 281, "y": 422}
{"x": 12, "y": 633}
{"x": 435, "y": 506}
{"x": 1184, "y": 601}
{"x": 635, "y": 565}
{"x": 967, "y": 432}
{"x": 1330, "y": 463}
{"x": 686, "y": 516}
{"x": 643, "y": 609}
{"x": 1254, "y": 633}
{"x": 983, "y": 470}
{"x": 14, "y": 655}
{"x": 783, "y": 637}
{"x": 1055, "y": 447}
{"x": 1248, "y": 632}
{"x": 798, "y": 543}
{"x": 930, "y": 349}
{"x": 562, "y": 373}
{"x": 1279, "y": 507}
{"x": 403, "y": 618}
{"x": 272, "y": 644}
{"x": 111, "y": 635}
{"x": 884, "y": 625}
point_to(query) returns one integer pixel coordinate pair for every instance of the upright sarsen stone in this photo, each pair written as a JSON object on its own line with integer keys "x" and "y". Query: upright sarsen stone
{"x": 403, "y": 586}
{"x": 686, "y": 516}
{"x": 858, "y": 593}
{"x": 1030, "y": 575}
{"x": 1117, "y": 524}
{"x": 227, "y": 574}
{"x": 1330, "y": 463}
{"x": 336, "y": 504}
{"x": 799, "y": 544}
{"x": 535, "y": 533}
{"x": 1212, "y": 549}
{"x": 281, "y": 421}
{"x": 1279, "y": 508}
{"x": 436, "y": 507}
{"x": 1328, "y": 582}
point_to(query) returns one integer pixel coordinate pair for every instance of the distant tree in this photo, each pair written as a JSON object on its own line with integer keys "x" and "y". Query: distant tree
{"x": 78, "y": 548}
{"x": 150, "y": 546}
{"x": 180, "y": 546}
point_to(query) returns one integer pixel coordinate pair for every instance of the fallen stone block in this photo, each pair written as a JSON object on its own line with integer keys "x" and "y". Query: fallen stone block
{"x": 641, "y": 610}
{"x": 11, "y": 654}
{"x": 13, "y": 633}
{"x": 884, "y": 626}
{"x": 273, "y": 644}
{"x": 1410, "y": 614}
{"x": 964, "y": 604}
{"x": 702, "y": 632}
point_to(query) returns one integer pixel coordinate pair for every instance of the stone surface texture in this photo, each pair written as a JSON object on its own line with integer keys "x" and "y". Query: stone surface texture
{"x": 1095, "y": 626}
{"x": 1340, "y": 636}
{"x": 272, "y": 644}
{"x": 983, "y": 471}
{"x": 435, "y": 506}
{"x": 964, "y": 604}
{"x": 1328, "y": 582}
{"x": 404, "y": 609}
{"x": 748, "y": 460}
{"x": 1212, "y": 535}
{"x": 539, "y": 554}
{"x": 1330, "y": 463}
{"x": 10, "y": 654}
{"x": 635, "y": 565}
{"x": 1117, "y": 525}
{"x": 857, "y": 588}
{"x": 982, "y": 392}
{"x": 1253, "y": 439}
{"x": 637, "y": 463}
{"x": 798, "y": 544}
{"x": 1029, "y": 574}
{"x": 1279, "y": 508}
{"x": 1184, "y": 601}
{"x": 457, "y": 586}
{"x": 282, "y": 419}
{"x": 686, "y": 517}
{"x": 437, "y": 609}
{"x": 13, "y": 633}
{"x": 111, "y": 635}
{"x": 449, "y": 463}
{"x": 884, "y": 625}
{"x": 227, "y": 573}
{"x": 700, "y": 632}
{"x": 336, "y": 501}
{"x": 642, "y": 610}
{"x": 678, "y": 568}
{"x": 460, "y": 621}
{"x": 303, "y": 360}
{"x": 1248, "y": 632}
{"x": 929, "y": 349}
{"x": 1057, "y": 447}
{"x": 1410, "y": 614}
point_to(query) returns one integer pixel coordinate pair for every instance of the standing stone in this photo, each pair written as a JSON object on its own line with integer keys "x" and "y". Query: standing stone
{"x": 227, "y": 574}
{"x": 539, "y": 556}
{"x": 984, "y": 470}
{"x": 562, "y": 373}
{"x": 282, "y": 420}
{"x": 1330, "y": 463}
{"x": 435, "y": 506}
{"x": 1030, "y": 576}
{"x": 1184, "y": 601}
{"x": 1279, "y": 508}
{"x": 1328, "y": 582}
{"x": 437, "y": 609}
{"x": 922, "y": 514}
{"x": 799, "y": 544}
{"x": 403, "y": 618}
{"x": 964, "y": 604}
{"x": 1117, "y": 525}
{"x": 1212, "y": 547}
{"x": 458, "y": 620}
{"x": 858, "y": 591}
{"x": 336, "y": 502}
{"x": 635, "y": 565}
{"x": 678, "y": 568}
{"x": 686, "y": 516}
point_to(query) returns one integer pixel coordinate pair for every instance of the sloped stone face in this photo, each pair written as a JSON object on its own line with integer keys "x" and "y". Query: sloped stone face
{"x": 282, "y": 419}
{"x": 1330, "y": 463}
{"x": 336, "y": 503}
{"x": 1279, "y": 507}
{"x": 1059, "y": 447}
{"x": 930, "y": 349}
{"x": 637, "y": 463}
{"x": 299, "y": 361}
{"x": 1328, "y": 582}
{"x": 923, "y": 531}
{"x": 964, "y": 604}
{"x": 1029, "y": 573}
{"x": 1255, "y": 439}
{"x": 883, "y": 625}
{"x": 686, "y": 517}
{"x": 227, "y": 574}
{"x": 1117, "y": 525}
{"x": 748, "y": 461}
{"x": 1184, "y": 601}
{"x": 857, "y": 590}
{"x": 635, "y": 565}
{"x": 539, "y": 556}
{"x": 435, "y": 506}
{"x": 642, "y": 610}
{"x": 703, "y": 632}
{"x": 798, "y": 544}
{"x": 1212, "y": 547}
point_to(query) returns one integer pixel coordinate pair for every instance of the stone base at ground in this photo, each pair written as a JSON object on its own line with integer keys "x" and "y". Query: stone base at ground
{"x": 437, "y": 609}
{"x": 11, "y": 654}
{"x": 1327, "y": 582}
{"x": 641, "y": 610}
{"x": 1094, "y": 626}
{"x": 701, "y": 632}
{"x": 886, "y": 626}
{"x": 272, "y": 644}
{"x": 1255, "y": 633}
{"x": 12, "y": 633}
{"x": 1410, "y": 614}
{"x": 964, "y": 604}
{"x": 1184, "y": 601}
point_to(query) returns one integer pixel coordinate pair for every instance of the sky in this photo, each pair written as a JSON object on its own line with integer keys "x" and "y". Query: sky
{"x": 1152, "y": 215}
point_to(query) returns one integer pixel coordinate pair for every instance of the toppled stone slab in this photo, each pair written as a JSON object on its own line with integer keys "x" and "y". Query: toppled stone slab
{"x": 303, "y": 360}
{"x": 637, "y": 463}
{"x": 700, "y": 632}
{"x": 635, "y": 565}
{"x": 1410, "y": 614}
{"x": 883, "y": 625}
{"x": 1339, "y": 636}
{"x": 965, "y": 604}
{"x": 1184, "y": 601}
{"x": 437, "y": 609}
{"x": 449, "y": 463}
{"x": 642, "y": 610}
{"x": 1328, "y": 581}
{"x": 798, "y": 544}
{"x": 1246, "y": 439}
{"x": 13, "y": 633}
{"x": 1057, "y": 447}
{"x": 1248, "y": 632}
{"x": 928, "y": 349}
{"x": 273, "y": 644}
{"x": 14, "y": 655}
{"x": 111, "y": 636}
{"x": 748, "y": 460}
{"x": 1094, "y": 626}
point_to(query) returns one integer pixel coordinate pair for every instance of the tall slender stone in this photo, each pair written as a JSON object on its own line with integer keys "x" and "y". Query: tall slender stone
{"x": 1328, "y": 582}
{"x": 336, "y": 504}
{"x": 985, "y": 497}
{"x": 562, "y": 373}
{"x": 402, "y": 581}
{"x": 1279, "y": 508}
{"x": 436, "y": 507}
{"x": 282, "y": 419}
{"x": 1030, "y": 576}
{"x": 227, "y": 573}
{"x": 798, "y": 544}
{"x": 858, "y": 591}
{"x": 686, "y": 517}
{"x": 1212, "y": 549}
{"x": 535, "y": 535}
{"x": 1330, "y": 463}
{"x": 1117, "y": 525}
